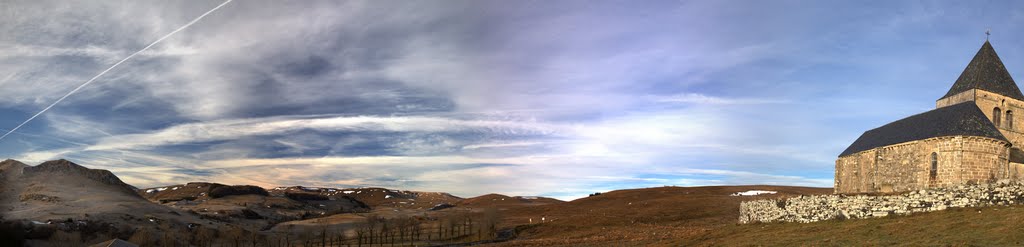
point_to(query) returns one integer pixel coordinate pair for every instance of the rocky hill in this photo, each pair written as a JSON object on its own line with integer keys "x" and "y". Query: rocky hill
{"x": 63, "y": 196}
{"x": 376, "y": 197}
{"x": 250, "y": 206}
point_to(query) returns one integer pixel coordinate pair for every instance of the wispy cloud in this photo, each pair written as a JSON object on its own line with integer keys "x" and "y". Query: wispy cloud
{"x": 506, "y": 97}
{"x": 696, "y": 98}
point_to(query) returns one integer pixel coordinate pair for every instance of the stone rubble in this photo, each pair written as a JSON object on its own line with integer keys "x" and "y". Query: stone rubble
{"x": 807, "y": 209}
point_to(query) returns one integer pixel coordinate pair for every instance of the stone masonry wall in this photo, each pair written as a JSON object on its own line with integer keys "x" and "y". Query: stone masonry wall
{"x": 987, "y": 102}
{"x": 906, "y": 166}
{"x": 826, "y": 207}
{"x": 956, "y": 98}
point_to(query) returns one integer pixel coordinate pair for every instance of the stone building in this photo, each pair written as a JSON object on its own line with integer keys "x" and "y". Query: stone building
{"x": 974, "y": 135}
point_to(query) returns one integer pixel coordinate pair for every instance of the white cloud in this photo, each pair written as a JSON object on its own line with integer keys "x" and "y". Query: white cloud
{"x": 502, "y": 145}
{"x": 240, "y": 128}
{"x": 696, "y": 98}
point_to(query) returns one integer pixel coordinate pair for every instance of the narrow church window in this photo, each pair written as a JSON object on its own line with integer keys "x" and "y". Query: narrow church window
{"x": 995, "y": 116}
{"x": 1009, "y": 119}
{"x": 935, "y": 166}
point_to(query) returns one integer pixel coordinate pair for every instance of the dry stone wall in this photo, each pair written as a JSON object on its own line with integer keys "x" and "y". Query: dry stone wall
{"x": 826, "y": 207}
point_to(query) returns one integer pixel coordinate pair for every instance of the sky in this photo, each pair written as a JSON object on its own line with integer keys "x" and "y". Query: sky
{"x": 538, "y": 98}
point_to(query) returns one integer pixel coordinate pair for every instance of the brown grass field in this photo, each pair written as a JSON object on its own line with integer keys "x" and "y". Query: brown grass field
{"x": 706, "y": 216}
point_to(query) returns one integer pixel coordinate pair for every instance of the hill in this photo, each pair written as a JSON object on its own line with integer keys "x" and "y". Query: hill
{"x": 250, "y": 207}
{"x": 379, "y": 197}
{"x": 505, "y": 202}
{"x": 651, "y": 216}
{"x": 63, "y": 195}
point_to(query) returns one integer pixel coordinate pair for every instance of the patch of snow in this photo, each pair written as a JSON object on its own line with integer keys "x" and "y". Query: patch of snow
{"x": 175, "y": 188}
{"x": 150, "y": 190}
{"x": 387, "y": 196}
{"x": 39, "y": 223}
{"x": 347, "y": 192}
{"x": 753, "y": 193}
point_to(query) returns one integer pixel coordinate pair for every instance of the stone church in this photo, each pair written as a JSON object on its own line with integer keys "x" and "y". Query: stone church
{"x": 974, "y": 135}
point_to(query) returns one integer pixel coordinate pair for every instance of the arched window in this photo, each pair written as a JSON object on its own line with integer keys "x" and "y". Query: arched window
{"x": 1009, "y": 119}
{"x": 995, "y": 117}
{"x": 935, "y": 166}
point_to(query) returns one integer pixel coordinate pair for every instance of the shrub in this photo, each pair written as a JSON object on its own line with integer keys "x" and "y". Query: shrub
{"x": 12, "y": 233}
{"x": 238, "y": 190}
{"x": 301, "y": 196}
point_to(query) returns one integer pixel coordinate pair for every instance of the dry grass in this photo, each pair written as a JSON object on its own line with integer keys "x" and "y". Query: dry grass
{"x": 991, "y": 226}
{"x": 706, "y": 216}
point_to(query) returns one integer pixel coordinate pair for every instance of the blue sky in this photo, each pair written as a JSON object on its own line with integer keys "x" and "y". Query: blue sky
{"x": 550, "y": 98}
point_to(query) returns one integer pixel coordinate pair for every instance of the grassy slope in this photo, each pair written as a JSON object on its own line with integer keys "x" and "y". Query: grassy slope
{"x": 652, "y": 216}
{"x": 706, "y": 216}
{"x": 992, "y": 226}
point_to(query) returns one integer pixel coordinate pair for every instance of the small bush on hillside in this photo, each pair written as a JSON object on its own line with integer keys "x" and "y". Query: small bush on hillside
{"x": 301, "y": 196}
{"x": 12, "y": 233}
{"x": 238, "y": 190}
{"x": 595, "y": 194}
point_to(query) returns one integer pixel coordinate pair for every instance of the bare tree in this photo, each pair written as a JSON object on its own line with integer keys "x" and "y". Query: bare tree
{"x": 491, "y": 219}
{"x": 372, "y": 221}
{"x": 360, "y": 232}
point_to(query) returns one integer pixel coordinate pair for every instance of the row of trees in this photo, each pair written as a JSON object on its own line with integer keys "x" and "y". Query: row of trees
{"x": 401, "y": 231}
{"x": 375, "y": 231}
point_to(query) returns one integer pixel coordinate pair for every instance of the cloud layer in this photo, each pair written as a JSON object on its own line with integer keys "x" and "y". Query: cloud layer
{"x": 528, "y": 98}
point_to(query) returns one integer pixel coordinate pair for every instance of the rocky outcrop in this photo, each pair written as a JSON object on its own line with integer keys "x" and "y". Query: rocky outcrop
{"x": 826, "y": 207}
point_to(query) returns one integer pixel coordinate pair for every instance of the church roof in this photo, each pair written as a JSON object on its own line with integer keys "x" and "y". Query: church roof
{"x": 963, "y": 119}
{"x": 986, "y": 72}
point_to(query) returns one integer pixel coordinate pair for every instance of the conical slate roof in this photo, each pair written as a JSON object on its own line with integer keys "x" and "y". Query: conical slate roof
{"x": 986, "y": 72}
{"x": 963, "y": 119}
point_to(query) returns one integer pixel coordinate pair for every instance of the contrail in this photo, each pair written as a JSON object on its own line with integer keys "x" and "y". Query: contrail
{"x": 115, "y": 65}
